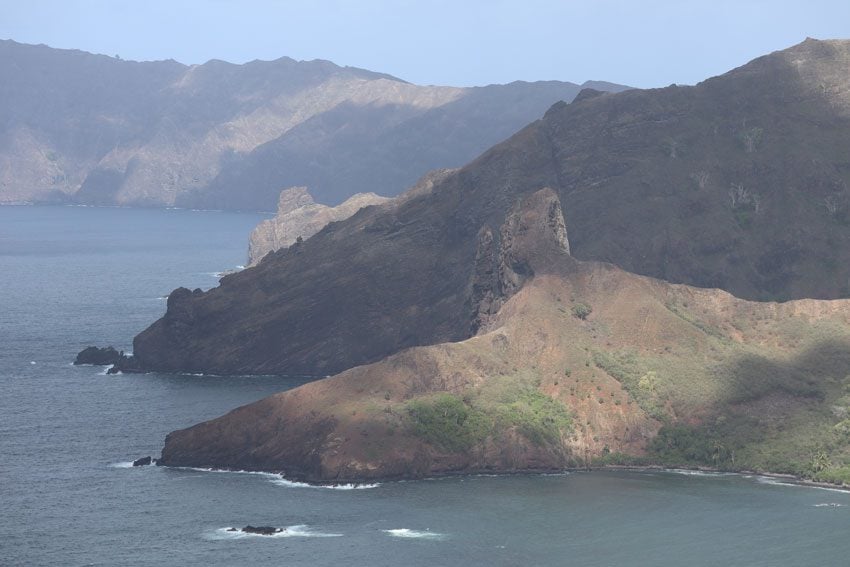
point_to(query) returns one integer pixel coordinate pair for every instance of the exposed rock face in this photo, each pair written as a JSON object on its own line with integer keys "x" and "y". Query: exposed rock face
{"x": 228, "y": 136}
{"x": 672, "y": 183}
{"x": 98, "y": 356}
{"x": 142, "y": 462}
{"x": 298, "y": 216}
{"x": 533, "y": 227}
{"x": 540, "y": 388}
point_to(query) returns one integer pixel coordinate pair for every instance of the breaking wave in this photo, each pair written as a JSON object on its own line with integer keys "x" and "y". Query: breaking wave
{"x": 348, "y": 486}
{"x": 281, "y": 481}
{"x": 414, "y": 534}
{"x": 780, "y": 482}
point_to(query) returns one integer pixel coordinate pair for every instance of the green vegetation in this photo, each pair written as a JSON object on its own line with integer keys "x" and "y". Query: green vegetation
{"x": 458, "y": 423}
{"x": 581, "y": 310}
{"x": 446, "y": 421}
{"x": 536, "y": 416}
{"x": 643, "y": 387}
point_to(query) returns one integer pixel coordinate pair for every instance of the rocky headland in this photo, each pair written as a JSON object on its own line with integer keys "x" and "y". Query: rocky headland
{"x": 573, "y": 364}
{"x": 299, "y": 217}
{"x": 464, "y": 331}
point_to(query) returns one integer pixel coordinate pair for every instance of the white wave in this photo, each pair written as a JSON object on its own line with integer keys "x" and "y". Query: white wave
{"x": 32, "y": 362}
{"x": 348, "y": 486}
{"x": 690, "y": 472}
{"x": 779, "y": 482}
{"x": 281, "y": 481}
{"x": 122, "y": 465}
{"x": 106, "y": 370}
{"x": 828, "y": 505}
{"x": 227, "y": 471}
{"x": 414, "y": 534}
{"x": 300, "y": 530}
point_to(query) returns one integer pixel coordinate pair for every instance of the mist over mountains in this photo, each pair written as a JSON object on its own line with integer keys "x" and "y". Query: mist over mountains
{"x": 92, "y": 129}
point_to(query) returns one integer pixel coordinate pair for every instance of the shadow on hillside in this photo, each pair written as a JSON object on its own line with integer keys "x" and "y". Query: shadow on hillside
{"x": 810, "y": 375}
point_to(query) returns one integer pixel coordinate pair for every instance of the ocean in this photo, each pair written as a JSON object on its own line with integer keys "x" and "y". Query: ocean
{"x": 77, "y": 276}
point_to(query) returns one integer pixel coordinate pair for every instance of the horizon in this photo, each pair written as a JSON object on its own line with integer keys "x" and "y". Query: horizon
{"x": 651, "y": 45}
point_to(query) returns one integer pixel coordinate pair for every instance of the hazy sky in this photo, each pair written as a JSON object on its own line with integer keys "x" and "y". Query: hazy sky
{"x": 642, "y": 43}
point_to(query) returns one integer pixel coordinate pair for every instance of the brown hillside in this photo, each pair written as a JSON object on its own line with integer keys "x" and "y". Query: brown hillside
{"x": 540, "y": 388}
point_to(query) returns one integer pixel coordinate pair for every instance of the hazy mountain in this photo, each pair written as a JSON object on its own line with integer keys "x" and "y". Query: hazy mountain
{"x": 95, "y": 129}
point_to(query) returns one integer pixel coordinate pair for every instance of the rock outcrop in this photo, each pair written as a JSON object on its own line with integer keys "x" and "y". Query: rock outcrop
{"x": 259, "y": 530}
{"x": 298, "y": 216}
{"x": 98, "y": 356}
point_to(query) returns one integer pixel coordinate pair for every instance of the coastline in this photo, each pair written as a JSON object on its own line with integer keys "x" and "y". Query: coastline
{"x": 787, "y": 479}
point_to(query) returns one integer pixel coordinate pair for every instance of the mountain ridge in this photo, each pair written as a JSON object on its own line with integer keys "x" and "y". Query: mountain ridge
{"x": 95, "y": 129}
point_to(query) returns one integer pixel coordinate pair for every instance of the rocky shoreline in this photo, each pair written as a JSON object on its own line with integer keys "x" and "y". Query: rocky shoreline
{"x": 786, "y": 478}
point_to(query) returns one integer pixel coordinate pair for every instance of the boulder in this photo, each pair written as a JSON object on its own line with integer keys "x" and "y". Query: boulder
{"x": 98, "y": 356}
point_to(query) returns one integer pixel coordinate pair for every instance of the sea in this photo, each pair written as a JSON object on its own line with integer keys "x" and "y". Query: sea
{"x": 77, "y": 276}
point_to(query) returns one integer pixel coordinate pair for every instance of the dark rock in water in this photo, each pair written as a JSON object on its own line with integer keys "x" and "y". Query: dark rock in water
{"x": 144, "y": 461}
{"x": 98, "y": 356}
{"x": 261, "y": 530}
{"x": 126, "y": 364}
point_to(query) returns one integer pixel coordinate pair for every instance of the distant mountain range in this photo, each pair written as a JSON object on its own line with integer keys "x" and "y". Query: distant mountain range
{"x": 92, "y": 129}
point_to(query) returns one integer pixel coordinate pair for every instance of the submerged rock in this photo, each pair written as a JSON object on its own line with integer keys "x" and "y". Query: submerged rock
{"x": 98, "y": 356}
{"x": 260, "y": 530}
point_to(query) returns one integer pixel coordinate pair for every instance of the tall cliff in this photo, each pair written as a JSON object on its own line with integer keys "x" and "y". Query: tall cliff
{"x": 99, "y": 130}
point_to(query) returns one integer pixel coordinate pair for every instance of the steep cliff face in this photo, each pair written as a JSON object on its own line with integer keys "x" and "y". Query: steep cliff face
{"x": 95, "y": 129}
{"x": 649, "y": 372}
{"x": 736, "y": 183}
{"x": 298, "y": 216}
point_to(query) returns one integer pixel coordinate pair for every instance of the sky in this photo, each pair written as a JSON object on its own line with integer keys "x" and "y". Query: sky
{"x": 641, "y": 43}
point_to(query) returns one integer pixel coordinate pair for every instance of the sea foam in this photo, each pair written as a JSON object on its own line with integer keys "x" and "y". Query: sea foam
{"x": 779, "y": 482}
{"x": 414, "y": 534}
{"x": 281, "y": 481}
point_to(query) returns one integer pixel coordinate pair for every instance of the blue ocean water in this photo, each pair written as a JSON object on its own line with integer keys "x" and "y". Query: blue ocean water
{"x": 74, "y": 276}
